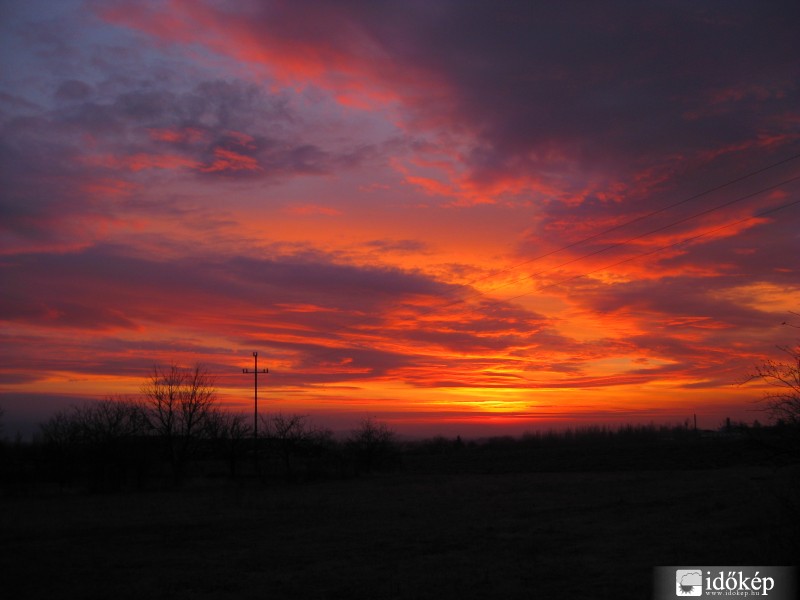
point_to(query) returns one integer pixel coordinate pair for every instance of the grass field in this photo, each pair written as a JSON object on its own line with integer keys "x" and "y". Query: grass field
{"x": 400, "y": 535}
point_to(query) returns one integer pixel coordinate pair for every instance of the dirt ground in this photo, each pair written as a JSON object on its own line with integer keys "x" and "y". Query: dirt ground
{"x": 400, "y": 535}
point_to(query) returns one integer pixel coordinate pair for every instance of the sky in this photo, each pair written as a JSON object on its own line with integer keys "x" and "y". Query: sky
{"x": 454, "y": 216}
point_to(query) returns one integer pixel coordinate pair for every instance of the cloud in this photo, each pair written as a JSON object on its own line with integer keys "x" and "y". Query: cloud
{"x": 400, "y": 246}
{"x": 689, "y": 580}
{"x": 529, "y": 89}
{"x": 199, "y": 178}
{"x": 94, "y": 146}
{"x": 326, "y": 320}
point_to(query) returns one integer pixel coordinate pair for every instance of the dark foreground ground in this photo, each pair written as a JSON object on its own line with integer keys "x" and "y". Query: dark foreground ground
{"x": 407, "y": 534}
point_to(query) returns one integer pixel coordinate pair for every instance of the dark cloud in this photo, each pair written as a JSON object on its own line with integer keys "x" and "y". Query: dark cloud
{"x": 610, "y": 82}
{"x": 92, "y": 288}
{"x": 676, "y": 297}
{"x": 73, "y": 90}
{"x": 402, "y": 246}
{"x": 225, "y": 117}
{"x": 75, "y": 157}
{"x": 39, "y": 182}
{"x": 618, "y": 85}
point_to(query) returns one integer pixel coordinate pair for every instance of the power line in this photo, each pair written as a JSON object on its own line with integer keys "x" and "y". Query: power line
{"x": 656, "y": 250}
{"x": 637, "y": 219}
{"x": 652, "y": 231}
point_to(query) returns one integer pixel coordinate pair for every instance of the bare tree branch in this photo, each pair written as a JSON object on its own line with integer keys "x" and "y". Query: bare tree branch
{"x": 178, "y": 404}
{"x": 782, "y": 405}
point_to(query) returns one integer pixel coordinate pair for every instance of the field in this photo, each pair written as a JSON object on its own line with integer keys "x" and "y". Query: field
{"x": 406, "y": 534}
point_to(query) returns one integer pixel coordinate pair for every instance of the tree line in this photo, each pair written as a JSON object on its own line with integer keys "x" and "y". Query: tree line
{"x": 176, "y": 430}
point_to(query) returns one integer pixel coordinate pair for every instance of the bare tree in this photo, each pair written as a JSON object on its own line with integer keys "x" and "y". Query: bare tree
{"x": 97, "y": 439}
{"x": 178, "y": 404}
{"x": 230, "y": 434}
{"x": 295, "y": 439}
{"x": 287, "y": 433}
{"x": 111, "y": 433}
{"x": 61, "y": 437}
{"x": 783, "y": 405}
{"x": 373, "y": 445}
{"x": 795, "y": 325}
{"x": 109, "y": 421}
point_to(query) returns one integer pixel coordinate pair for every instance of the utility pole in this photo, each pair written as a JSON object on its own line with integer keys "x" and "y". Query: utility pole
{"x": 255, "y": 373}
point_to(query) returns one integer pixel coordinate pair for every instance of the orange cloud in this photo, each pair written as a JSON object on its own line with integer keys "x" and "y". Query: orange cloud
{"x": 177, "y": 135}
{"x": 229, "y": 161}
{"x": 242, "y": 139}
{"x": 351, "y": 64}
{"x": 141, "y": 161}
{"x": 108, "y": 187}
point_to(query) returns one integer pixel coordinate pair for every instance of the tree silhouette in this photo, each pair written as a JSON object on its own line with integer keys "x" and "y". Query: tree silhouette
{"x": 178, "y": 404}
{"x": 110, "y": 420}
{"x": 111, "y": 431}
{"x": 61, "y": 439}
{"x": 229, "y": 433}
{"x": 783, "y": 405}
{"x": 294, "y": 436}
{"x": 97, "y": 440}
{"x": 372, "y": 444}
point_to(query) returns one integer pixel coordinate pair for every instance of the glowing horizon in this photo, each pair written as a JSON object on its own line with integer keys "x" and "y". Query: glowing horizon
{"x": 448, "y": 218}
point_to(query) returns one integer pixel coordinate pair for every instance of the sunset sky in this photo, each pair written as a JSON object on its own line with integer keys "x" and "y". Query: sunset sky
{"x": 454, "y": 216}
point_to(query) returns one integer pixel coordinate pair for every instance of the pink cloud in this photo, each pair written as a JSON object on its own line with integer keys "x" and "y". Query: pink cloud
{"x": 177, "y": 135}
{"x": 141, "y": 161}
{"x": 229, "y": 161}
